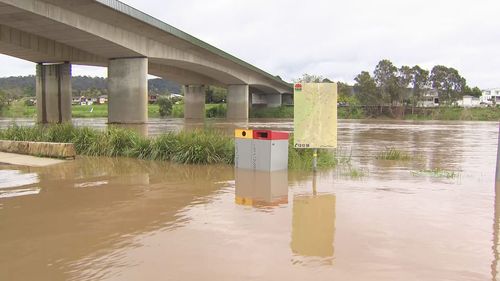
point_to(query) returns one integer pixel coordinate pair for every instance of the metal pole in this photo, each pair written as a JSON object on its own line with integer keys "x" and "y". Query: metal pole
{"x": 498, "y": 157}
{"x": 315, "y": 160}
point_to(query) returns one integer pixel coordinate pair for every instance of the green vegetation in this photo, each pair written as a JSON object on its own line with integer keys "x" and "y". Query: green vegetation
{"x": 457, "y": 113}
{"x": 437, "y": 173}
{"x": 351, "y": 172}
{"x": 216, "y": 110}
{"x": 3, "y": 100}
{"x": 211, "y": 110}
{"x": 165, "y": 106}
{"x": 18, "y": 109}
{"x": 197, "y": 147}
{"x": 302, "y": 159}
{"x": 272, "y": 112}
{"x": 17, "y": 87}
{"x": 391, "y": 153}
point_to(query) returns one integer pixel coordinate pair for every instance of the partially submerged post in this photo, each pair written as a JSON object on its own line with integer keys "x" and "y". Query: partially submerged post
{"x": 497, "y": 178}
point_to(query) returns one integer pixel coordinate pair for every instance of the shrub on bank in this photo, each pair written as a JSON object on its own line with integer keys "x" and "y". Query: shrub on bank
{"x": 272, "y": 112}
{"x": 197, "y": 147}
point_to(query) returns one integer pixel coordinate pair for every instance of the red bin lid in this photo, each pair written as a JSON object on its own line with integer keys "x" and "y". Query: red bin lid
{"x": 269, "y": 135}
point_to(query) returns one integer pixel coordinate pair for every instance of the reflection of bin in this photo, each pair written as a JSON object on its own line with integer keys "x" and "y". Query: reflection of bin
{"x": 270, "y": 150}
{"x": 261, "y": 189}
{"x": 243, "y": 149}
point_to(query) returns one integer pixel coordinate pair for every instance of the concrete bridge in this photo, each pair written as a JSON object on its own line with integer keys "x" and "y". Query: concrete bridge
{"x": 58, "y": 33}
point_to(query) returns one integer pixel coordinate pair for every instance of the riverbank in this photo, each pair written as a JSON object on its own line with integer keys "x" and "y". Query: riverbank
{"x": 19, "y": 110}
{"x": 208, "y": 146}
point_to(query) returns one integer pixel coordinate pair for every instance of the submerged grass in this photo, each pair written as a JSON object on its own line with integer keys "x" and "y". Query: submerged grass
{"x": 391, "y": 153}
{"x": 302, "y": 159}
{"x": 207, "y": 146}
{"x": 197, "y": 147}
{"x": 437, "y": 173}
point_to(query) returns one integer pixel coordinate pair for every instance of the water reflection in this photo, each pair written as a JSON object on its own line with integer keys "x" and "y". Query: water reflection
{"x": 261, "y": 189}
{"x": 313, "y": 228}
{"x": 89, "y": 207}
{"x": 125, "y": 219}
{"x": 495, "y": 265}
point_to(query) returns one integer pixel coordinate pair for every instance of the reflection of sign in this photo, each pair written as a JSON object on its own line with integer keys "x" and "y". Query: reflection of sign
{"x": 313, "y": 225}
{"x": 315, "y": 111}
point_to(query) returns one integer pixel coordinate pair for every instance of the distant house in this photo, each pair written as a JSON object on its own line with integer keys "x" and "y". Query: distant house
{"x": 76, "y": 100}
{"x": 490, "y": 96}
{"x": 152, "y": 98}
{"x": 430, "y": 98}
{"x": 469, "y": 101}
{"x": 86, "y": 101}
{"x": 103, "y": 99}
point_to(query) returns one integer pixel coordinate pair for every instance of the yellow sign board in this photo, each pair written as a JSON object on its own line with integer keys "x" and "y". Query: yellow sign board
{"x": 315, "y": 115}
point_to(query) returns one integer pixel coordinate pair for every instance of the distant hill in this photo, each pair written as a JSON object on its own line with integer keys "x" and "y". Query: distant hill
{"x": 22, "y": 86}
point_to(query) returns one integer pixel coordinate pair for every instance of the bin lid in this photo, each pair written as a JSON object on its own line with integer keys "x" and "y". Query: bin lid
{"x": 269, "y": 135}
{"x": 243, "y": 134}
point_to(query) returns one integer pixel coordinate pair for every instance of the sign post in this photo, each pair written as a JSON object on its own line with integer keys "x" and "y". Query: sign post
{"x": 315, "y": 117}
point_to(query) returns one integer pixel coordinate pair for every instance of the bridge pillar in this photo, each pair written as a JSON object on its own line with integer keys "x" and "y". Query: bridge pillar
{"x": 53, "y": 93}
{"x": 273, "y": 100}
{"x": 128, "y": 91}
{"x": 194, "y": 102}
{"x": 287, "y": 99}
{"x": 237, "y": 102}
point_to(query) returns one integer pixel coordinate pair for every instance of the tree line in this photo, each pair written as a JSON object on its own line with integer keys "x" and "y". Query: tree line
{"x": 390, "y": 85}
{"x": 17, "y": 87}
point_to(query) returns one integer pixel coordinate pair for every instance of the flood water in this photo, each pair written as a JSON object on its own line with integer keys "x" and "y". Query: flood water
{"x": 126, "y": 219}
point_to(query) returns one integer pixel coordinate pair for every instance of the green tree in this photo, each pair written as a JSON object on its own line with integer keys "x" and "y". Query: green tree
{"x": 419, "y": 81}
{"x": 165, "y": 106}
{"x": 475, "y": 92}
{"x": 448, "y": 82}
{"x": 366, "y": 89}
{"x": 306, "y": 78}
{"x": 4, "y": 100}
{"x": 385, "y": 75}
{"x": 215, "y": 94}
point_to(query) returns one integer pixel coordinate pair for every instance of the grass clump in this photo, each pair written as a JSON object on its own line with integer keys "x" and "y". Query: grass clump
{"x": 302, "y": 159}
{"x": 391, "y": 153}
{"x": 197, "y": 147}
{"x": 436, "y": 173}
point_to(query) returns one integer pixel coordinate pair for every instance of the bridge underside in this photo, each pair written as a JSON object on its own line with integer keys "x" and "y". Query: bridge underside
{"x": 87, "y": 32}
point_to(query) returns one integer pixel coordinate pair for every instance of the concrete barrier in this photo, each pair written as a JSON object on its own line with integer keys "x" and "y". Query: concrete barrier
{"x": 43, "y": 149}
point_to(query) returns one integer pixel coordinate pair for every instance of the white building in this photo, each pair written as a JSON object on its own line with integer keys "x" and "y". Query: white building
{"x": 490, "y": 96}
{"x": 430, "y": 98}
{"x": 469, "y": 101}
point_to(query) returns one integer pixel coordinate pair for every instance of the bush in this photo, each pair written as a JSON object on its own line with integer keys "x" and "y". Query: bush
{"x": 198, "y": 147}
{"x": 216, "y": 111}
{"x": 165, "y": 106}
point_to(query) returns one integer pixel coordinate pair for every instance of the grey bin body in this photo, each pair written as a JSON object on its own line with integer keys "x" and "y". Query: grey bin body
{"x": 243, "y": 153}
{"x": 270, "y": 155}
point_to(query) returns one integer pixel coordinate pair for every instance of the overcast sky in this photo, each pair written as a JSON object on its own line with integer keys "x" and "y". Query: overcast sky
{"x": 335, "y": 39}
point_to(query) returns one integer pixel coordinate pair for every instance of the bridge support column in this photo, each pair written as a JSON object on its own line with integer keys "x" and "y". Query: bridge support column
{"x": 194, "y": 102}
{"x": 53, "y": 93}
{"x": 237, "y": 102}
{"x": 273, "y": 100}
{"x": 128, "y": 91}
{"x": 287, "y": 99}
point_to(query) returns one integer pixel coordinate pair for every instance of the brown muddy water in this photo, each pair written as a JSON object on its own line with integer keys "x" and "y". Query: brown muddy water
{"x": 126, "y": 219}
